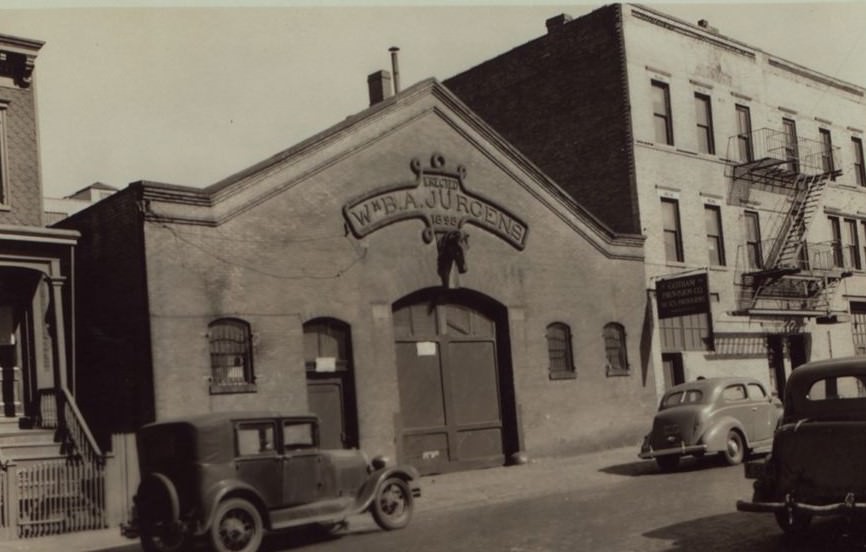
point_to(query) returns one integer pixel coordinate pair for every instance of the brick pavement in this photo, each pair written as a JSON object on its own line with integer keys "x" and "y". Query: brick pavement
{"x": 439, "y": 492}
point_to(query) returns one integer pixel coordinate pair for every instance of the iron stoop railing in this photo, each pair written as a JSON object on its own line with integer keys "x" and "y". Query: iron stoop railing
{"x": 59, "y": 495}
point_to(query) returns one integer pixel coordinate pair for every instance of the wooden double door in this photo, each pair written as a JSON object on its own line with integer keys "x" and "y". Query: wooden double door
{"x": 456, "y": 390}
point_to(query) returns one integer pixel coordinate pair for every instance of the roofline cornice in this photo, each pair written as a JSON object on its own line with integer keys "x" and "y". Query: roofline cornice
{"x": 690, "y": 29}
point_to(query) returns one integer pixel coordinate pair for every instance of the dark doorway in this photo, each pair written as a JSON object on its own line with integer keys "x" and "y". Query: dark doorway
{"x": 799, "y": 346}
{"x": 455, "y": 380}
{"x": 331, "y": 381}
{"x": 776, "y": 360}
{"x": 672, "y": 367}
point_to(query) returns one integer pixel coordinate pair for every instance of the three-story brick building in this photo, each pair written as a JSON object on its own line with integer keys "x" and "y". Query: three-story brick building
{"x": 743, "y": 170}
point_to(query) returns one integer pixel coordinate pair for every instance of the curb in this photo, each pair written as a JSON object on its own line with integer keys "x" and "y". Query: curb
{"x": 450, "y": 491}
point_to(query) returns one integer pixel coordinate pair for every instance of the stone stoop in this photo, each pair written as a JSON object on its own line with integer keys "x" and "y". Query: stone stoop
{"x": 27, "y": 446}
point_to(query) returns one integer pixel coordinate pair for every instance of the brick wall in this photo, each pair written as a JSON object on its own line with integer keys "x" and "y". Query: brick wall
{"x": 562, "y": 101}
{"x": 115, "y": 388}
{"x": 24, "y": 202}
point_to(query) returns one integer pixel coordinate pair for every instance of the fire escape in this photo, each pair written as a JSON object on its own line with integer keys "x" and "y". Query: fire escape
{"x": 786, "y": 275}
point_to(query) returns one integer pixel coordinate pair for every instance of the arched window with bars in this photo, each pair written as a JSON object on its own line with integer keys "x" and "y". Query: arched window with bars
{"x": 559, "y": 352}
{"x": 615, "y": 349}
{"x": 231, "y": 356}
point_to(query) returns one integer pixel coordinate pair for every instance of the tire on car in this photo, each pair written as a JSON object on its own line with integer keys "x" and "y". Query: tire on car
{"x": 158, "y": 505}
{"x": 237, "y": 527}
{"x": 735, "y": 448}
{"x": 392, "y": 506}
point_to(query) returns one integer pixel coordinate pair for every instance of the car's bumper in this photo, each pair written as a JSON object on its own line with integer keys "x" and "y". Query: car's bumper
{"x": 647, "y": 452}
{"x": 847, "y": 506}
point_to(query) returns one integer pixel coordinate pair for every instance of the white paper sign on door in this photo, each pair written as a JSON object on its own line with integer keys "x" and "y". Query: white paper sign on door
{"x": 326, "y": 364}
{"x": 426, "y": 348}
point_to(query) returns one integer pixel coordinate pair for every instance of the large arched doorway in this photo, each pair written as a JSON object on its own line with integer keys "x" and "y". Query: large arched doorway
{"x": 455, "y": 379}
{"x": 331, "y": 381}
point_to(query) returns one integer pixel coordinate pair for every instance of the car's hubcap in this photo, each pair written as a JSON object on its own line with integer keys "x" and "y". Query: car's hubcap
{"x": 733, "y": 447}
{"x": 236, "y": 529}
{"x": 393, "y": 501}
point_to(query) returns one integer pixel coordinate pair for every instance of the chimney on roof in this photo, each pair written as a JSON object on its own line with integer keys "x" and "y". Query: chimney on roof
{"x": 379, "y": 85}
{"x": 395, "y": 68}
{"x": 704, "y": 24}
{"x": 557, "y": 22}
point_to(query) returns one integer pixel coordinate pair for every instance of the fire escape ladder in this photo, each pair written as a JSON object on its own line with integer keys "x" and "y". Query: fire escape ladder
{"x": 787, "y": 284}
{"x": 786, "y": 252}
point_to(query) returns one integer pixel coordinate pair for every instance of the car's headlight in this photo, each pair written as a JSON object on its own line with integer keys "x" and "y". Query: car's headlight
{"x": 380, "y": 462}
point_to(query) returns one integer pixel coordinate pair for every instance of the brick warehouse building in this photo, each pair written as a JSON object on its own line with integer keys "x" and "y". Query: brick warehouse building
{"x": 743, "y": 170}
{"x": 406, "y": 274}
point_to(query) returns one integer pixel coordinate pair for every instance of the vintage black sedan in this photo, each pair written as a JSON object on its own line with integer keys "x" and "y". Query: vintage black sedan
{"x": 229, "y": 477}
{"x": 730, "y": 416}
{"x": 818, "y": 463}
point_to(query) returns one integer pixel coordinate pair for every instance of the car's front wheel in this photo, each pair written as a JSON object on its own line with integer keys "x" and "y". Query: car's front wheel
{"x": 237, "y": 527}
{"x": 392, "y": 506}
{"x": 734, "y": 448}
{"x": 795, "y": 524}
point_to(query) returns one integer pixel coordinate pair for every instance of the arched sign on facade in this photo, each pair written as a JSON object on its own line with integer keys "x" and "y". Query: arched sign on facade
{"x": 438, "y": 197}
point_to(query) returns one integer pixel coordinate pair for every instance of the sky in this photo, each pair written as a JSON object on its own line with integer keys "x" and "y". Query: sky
{"x": 189, "y": 95}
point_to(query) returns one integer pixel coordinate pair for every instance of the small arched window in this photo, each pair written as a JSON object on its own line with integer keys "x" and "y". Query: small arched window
{"x": 559, "y": 352}
{"x": 615, "y": 349}
{"x": 231, "y": 356}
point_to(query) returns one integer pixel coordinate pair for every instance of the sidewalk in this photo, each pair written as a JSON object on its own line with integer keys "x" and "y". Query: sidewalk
{"x": 438, "y": 492}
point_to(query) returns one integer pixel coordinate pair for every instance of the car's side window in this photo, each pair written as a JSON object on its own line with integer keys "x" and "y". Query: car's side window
{"x": 255, "y": 438}
{"x": 733, "y": 393}
{"x": 756, "y": 392}
{"x": 843, "y": 387}
{"x": 298, "y": 435}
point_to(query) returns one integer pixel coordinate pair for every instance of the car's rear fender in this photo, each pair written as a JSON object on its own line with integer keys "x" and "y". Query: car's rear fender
{"x": 224, "y": 490}
{"x": 716, "y": 436}
{"x": 368, "y": 491}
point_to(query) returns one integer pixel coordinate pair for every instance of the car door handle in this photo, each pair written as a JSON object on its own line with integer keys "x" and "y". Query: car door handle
{"x": 754, "y": 409}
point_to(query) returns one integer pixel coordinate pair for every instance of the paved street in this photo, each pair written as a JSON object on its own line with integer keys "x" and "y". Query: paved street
{"x": 602, "y": 502}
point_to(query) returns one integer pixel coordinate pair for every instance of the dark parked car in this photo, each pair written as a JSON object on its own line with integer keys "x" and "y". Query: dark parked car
{"x": 818, "y": 462}
{"x": 730, "y": 416}
{"x": 231, "y": 476}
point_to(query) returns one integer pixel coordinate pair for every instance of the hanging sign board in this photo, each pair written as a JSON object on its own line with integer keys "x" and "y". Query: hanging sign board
{"x": 682, "y": 296}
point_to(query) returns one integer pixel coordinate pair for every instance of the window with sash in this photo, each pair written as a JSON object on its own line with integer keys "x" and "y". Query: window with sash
{"x": 715, "y": 240}
{"x": 673, "y": 239}
{"x": 662, "y": 122}
{"x": 754, "y": 250}
{"x": 857, "y": 154}
{"x": 704, "y": 119}
{"x": 744, "y": 134}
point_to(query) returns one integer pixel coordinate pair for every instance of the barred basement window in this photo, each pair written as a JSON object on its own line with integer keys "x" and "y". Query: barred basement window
{"x": 615, "y": 350}
{"x": 559, "y": 352}
{"x": 231, "y": 356}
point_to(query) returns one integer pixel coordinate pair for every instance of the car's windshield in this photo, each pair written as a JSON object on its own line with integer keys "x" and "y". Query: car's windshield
{"x": 687, "y": 396}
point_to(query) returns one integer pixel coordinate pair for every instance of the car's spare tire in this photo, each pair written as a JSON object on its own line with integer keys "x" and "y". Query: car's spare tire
{"x": 156, "y": 501}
